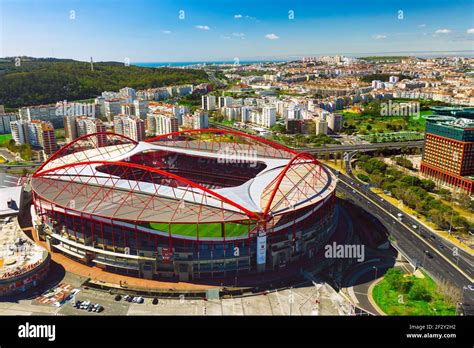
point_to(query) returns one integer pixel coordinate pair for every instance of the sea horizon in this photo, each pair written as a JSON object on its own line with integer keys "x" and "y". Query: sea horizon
{"x": 202, "y": 62}
{"x": 420, "y": 54}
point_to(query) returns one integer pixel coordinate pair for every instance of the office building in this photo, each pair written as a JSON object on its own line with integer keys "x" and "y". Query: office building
{"x": 161, "y": 123}
{"x": 448, "y": 155}
{"x": 132, "y": 127}
{"x": 268, "y": 116}
{"x": 200, "y": 119}
{"x": 321, "y": 126}
{"x": 335, "y": 121}
{"x": 5, "y": 120}
{"x": 208, "y": 102}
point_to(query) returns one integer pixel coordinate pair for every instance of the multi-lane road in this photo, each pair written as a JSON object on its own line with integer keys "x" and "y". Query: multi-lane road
{"x": 424, "y": 249}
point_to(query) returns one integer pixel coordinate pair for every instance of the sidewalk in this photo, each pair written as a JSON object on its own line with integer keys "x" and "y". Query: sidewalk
{"x": 371, "y": 298}
{"x": 98, "y": 274}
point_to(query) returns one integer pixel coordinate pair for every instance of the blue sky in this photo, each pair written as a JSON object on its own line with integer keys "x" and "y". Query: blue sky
{"x": 150, "y": 31}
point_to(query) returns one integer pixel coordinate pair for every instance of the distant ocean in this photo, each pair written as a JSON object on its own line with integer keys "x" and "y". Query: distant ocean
{"x": 217, "y": 62}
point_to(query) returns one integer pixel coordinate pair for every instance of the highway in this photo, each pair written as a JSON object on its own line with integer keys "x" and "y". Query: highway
{"x": 440, "y": 262}
{"x": 457, "y": 255}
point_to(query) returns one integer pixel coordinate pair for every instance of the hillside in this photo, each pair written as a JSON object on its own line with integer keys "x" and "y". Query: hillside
{"x": 47, "y": 80}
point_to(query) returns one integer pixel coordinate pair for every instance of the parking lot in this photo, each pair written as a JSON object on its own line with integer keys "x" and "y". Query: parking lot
{"x": 310, "y": 300}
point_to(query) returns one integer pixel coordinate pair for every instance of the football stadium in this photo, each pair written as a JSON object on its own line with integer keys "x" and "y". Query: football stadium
{"x": 194, "y": 204}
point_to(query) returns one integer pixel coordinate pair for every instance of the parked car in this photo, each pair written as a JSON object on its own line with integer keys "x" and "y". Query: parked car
{"x": 138, "y": 299}
{"x": 85, "y": 304}
{"x": 118, "y": 297}
{"x": 155, "y": 301}
{"x": 77, "y": 304}
{"x": 128, "y": 298}
{"x": 430, "y": 255}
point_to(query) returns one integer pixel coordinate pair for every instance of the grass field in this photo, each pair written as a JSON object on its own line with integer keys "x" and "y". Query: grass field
{"x": 4, "y": 138}
{"x": 205, "y": 230}
{"x": 393, "y": 302}
{"x": 381, "y": 124}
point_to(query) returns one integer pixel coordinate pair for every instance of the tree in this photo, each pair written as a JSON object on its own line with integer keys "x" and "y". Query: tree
{"x": 466, "y": 202}
{"x": 428, "y": 185}
{"x": 418, "y": 292}
{"x": 42, "y": 81}
{"x": 279, "y": 128}
{"x": 394, "y": 277}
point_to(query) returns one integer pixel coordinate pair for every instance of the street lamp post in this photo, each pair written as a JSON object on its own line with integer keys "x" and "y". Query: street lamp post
{"x": 375, "y": 267}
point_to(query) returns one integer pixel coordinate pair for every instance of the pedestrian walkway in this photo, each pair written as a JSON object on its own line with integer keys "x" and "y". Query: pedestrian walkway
{"x": 97, "y": 274}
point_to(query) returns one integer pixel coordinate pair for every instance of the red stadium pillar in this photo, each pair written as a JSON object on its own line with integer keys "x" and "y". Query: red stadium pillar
{"x": 102, "y": 230}
{"x": 113, "y": 234}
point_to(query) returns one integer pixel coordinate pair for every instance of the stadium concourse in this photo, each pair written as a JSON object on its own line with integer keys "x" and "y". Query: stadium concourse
{"x": 190, "y": 205}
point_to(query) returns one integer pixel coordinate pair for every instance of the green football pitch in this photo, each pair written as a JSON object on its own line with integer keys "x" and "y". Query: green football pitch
{"x": 232, "y": 229}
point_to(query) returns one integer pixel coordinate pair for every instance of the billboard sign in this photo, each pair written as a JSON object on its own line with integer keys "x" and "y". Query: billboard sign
{"x": 166, "y": 255}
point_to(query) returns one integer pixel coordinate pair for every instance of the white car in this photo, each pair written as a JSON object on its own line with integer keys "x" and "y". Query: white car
{"x": 85, "y": 304}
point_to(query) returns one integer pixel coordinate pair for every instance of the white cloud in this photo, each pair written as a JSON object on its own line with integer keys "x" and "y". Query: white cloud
{"x": 241, "y": 35}
{"x": 166, "y": 31}
{"x": 225, "y": 37}
{"x": 470, "y": 31}
{"x": 442, "y": 31}
{"x": 238, "y": 16}
{"x": 422, "y": 26}
{"x": 272, "y": 37}
{"x": 202, "y": 27}
{"x": 379, "y": 37}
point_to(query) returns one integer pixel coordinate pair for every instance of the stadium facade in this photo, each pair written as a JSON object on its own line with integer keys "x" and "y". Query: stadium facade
{"x": 186, "y": 205}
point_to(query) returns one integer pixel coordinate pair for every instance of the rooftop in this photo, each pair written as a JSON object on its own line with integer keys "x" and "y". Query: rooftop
{"x": 18, "y": 254}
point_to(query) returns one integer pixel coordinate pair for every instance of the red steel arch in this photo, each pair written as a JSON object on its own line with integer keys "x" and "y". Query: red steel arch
{"x": 282, "y": 175}
{"x": 68, "y": 145}
{"x": 154, "y": 170}
{"x": 295, "y": 156}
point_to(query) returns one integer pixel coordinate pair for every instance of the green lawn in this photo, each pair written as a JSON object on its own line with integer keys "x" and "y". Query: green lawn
{"x": 4, "y": 138}
{"x": 382, "y": 124}
{"x": 205, "y": 230}
{"x": 395, "y": 302}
